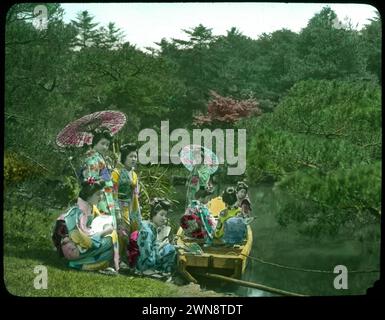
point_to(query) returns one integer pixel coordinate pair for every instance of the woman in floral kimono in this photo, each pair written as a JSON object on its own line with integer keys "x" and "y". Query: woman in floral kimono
{"x": 197, "y": 221}
{"x": 153, "y": 254}
{"x": 98, "y": 166}
{"x": 126, "y": 194}
{"x": 199, "y": 176}
{"x": 75, "y": 238}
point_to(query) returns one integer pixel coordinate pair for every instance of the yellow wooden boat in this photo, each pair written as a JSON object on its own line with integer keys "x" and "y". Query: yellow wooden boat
{"x": 195, "y": 258}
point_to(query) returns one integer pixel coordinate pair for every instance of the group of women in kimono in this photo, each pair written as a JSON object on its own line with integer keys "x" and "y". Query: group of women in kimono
{"x": 229, "y": 226}
{"x": 104, "y": 230}
{"x": 96, "y": 232}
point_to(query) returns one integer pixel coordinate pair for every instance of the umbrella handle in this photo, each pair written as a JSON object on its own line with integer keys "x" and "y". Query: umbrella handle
{"x": 73, "y": 168}
{"x": 115, "y": 148}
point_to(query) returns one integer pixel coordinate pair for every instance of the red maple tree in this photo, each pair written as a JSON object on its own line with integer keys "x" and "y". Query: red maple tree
{"x": 227, "y": 110}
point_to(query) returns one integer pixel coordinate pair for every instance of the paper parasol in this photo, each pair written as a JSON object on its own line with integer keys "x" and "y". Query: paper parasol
{"x": 79, "y": 132}
{"x": 193, "y": 154}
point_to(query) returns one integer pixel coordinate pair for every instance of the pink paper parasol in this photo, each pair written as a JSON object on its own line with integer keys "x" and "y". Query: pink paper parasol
{"x": 79, "y": 132}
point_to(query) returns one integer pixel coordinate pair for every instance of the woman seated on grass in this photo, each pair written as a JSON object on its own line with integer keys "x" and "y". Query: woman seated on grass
{"x": 85, "y": 245}
{"x": 153, "y": 254}
{"x": 197, "y": 221}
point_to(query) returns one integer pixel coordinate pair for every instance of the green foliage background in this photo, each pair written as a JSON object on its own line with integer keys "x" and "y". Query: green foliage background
{"x": 319, "y": 138}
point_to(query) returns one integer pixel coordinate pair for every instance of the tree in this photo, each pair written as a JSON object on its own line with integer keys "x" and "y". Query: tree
{"x": 371, "y": 41}
{"x": 88, "y": 35}
{"x": 193, "y": 60}
{"x": 226, "y": 110}
{"x": 322, "y": 145}
{"x": 200, "y": 37}
{"x": 329, "y": 52}
{"x": 110, "y": 38}
{"x": 35, "y": 79}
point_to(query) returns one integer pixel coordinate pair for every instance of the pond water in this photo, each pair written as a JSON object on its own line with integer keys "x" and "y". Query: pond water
{"x": 287, "y": 247}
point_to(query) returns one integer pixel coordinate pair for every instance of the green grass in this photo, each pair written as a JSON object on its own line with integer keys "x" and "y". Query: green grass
{"x": 62, "y": 282}
{"x": 27, "y": 245}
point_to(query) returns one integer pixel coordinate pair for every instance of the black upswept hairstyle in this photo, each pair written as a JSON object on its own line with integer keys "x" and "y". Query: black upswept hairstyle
{"x": 126, "y": 149}
{"x": 203, "y": 192}
{"x": 158, "y": 204}
{"x": 241, "y": 185}
{"x": 89, "y": 187}
{"x": 229, "y": 196}
{"x": 99, "y": 134}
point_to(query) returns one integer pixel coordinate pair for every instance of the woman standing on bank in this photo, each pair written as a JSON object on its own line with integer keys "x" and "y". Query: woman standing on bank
{"x": 126, "y": 193}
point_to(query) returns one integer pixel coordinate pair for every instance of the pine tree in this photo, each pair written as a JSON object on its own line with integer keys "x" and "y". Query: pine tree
{"x": 87, "y": 35}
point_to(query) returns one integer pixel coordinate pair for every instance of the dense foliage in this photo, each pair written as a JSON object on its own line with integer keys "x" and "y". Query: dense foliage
{"x": 322, "y": 145}
{"x": 319, "y": 135}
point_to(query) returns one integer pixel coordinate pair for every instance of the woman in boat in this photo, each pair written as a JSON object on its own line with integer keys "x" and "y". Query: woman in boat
{"x": 153, "y": 254}
{"x": 229, "y": 197}
{"x": 243, "y": 199}
{"x": 197, "y": 221}
{"x": 199, "y": 176}
{"x": 74, "y": 237}
{"x": 126, "y": 194}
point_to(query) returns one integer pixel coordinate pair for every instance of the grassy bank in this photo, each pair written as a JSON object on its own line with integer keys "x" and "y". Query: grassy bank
{"x": 27, "y": 244}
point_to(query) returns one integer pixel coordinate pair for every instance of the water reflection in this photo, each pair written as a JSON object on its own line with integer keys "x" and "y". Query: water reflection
{"x": 286, "y": 246}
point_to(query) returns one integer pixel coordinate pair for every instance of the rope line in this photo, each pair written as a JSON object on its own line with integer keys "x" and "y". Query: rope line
{"x": 303, "y": 269}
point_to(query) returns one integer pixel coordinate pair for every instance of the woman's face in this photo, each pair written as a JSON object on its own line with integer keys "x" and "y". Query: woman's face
{"x": 131, "y": 160}
{"x": 95, "y": 198}
{"x": 160, "y": 218}
{"x": 102, "y": 146}
{"x": 241, "y": 194}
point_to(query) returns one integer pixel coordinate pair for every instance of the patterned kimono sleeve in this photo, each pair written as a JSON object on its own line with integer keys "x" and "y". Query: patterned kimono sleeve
{"x": 147, "y": 258}
{"x": 218, "y": 233}
{"x": 246, "y": 206}
{"x": 204, "y": 176}
{"x": 89, "y": 168}
{"x": 206, "y": 220}
{"x": 115, "y": 180}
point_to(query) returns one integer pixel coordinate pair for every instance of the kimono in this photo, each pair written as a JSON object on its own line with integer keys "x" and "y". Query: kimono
{"x": 199, "y": 177}
{"x": 74, "y": 238}
{"x": 245, "y": 206}
{"x": 126, "y": 195}
{"x": 223, "y": 216}
{"x": 151, "y": 255}
{"x": 235, "y": 230}
{"x": 96, "y": 166}
{"x": 197, "y": 222}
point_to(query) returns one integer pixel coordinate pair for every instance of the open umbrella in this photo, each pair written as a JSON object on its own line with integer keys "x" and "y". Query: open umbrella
{"x": 79, "y": 132}
{"x": 193, "y": 154}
